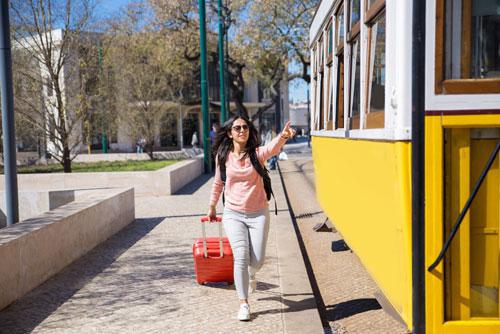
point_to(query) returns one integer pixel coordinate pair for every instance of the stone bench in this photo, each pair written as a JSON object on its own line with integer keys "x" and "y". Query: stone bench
{"x": 33, "y": 203}
{"x": 35, "y": 249}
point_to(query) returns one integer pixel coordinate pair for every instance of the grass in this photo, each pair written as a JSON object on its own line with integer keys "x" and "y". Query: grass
{"x": 102, "y": 166}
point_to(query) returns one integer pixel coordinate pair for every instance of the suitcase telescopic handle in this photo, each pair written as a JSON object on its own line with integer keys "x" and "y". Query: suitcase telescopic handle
{"x": 207, "y": 219}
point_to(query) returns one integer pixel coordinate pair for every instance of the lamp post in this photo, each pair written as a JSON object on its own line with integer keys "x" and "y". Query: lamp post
{"x": 204, "y": 87}
{"x": 223, "y": 114}
{"x": 9, "y": 133}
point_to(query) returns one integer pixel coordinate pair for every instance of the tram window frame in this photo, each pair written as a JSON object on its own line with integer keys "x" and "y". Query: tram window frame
{"x": 465, "y": 84}
{"x": 330, "y": 44}
{"x": 321, "y": 81}
{"x": 329, "y": 75}
{"x": 353, "y": 35}
{"x": 373, "y": 14}
{"x": 313, "y": 87}
{"x": 340, "y": 26}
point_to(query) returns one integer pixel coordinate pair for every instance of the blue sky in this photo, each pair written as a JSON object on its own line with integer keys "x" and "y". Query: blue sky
{"x": 111, "y": 6}
{"x": 297, "y": 87}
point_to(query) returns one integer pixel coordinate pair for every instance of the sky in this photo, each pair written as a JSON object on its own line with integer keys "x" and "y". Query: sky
{"x": 297, "y": 88}
{"x": 111, "y": 6}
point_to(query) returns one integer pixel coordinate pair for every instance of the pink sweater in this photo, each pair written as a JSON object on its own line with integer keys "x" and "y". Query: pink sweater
{"x": 244, "y": 191}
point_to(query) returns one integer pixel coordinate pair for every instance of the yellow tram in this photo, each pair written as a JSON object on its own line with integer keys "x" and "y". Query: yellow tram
{"x": 361, "y": 89}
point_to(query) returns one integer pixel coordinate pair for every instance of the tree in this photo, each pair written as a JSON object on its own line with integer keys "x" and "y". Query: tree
{"x": 148, "y": 72}
{"x": 48, "y": 50}
{"x": 276, "y": 33}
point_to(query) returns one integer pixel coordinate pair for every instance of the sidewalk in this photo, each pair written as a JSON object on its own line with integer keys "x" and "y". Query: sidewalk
{"x": 346, "y": 292}
{"x": 142, "y": 280}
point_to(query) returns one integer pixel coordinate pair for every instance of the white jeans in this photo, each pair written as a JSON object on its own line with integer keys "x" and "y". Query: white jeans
{"x": 247, "y": 234}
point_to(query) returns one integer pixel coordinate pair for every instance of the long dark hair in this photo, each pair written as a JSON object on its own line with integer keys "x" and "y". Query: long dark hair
{"x": 223, "y": 144}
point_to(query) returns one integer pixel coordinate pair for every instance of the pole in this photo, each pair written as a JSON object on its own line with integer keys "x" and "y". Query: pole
{"x": 104, "y": 139}
{"x": 277, "y": 114}
{"x": 9, "y": 133}
{"x": 418, "y": 167}
{"x": 223, "y": 114}
{"x": 226, "y": 69}
{"x": 204, "y": 88}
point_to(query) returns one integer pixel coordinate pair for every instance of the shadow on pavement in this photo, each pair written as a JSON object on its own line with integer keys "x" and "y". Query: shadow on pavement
{"x": 350, "y": 308}
{"x": 112, "y": 285}
{"x": 307, "y": 303}
{"x": 194, "y": 185}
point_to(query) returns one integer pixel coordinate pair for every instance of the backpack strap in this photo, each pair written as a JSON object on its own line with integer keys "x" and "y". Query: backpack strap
{"x": 223, "y": 178}
{"x": 264, "y": 173}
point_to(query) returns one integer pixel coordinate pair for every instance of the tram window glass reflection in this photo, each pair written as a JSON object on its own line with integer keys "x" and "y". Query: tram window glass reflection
{"x": 330, "y": 41}
{"x": 340, "y": 95}
{"x": 376, "y": 79}
{"x": 467, "y": 46}
{"x": 354, "y": 13}
{"x": 339, "y": 51}
{"x": 321, "y": 82}
{"x": 340, "y": 26}
{"x": 481, "y": 25}
{"x": 329, "y": 74}
{"x": 355, "y": 85}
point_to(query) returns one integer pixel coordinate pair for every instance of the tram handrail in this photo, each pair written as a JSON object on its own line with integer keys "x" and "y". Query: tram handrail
{"x": 465, "y": 208}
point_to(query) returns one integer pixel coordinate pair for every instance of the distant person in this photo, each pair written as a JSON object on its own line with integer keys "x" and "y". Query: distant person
{"x": 267, "y": 139}
{"x": 194, "y": 140}
{"x": 212, "y": 134}
{"x": 138, "y": 145}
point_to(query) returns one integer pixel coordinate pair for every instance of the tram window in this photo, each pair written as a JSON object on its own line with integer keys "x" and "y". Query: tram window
{"x": 376, "y": 79}
{"x": 339, "y": 50}
{"x": 321, "y": 82}
{"x": 330, "y": 41}
{"x": 354, "y": 13}
{"x": 467, "y": 44}
{"x": 355, "y": 85}
{"x": 315, "y": 63}
{"x": 339, "y": 32}
{"x": 329, "y": 73}
{"x": 340, "y": 96}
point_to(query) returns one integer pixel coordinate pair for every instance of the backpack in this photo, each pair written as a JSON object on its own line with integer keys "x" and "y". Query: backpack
{"x": 263, "y": 172}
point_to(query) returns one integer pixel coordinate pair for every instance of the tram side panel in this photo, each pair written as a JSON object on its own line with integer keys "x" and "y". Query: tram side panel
{"x": 364, "y": 188}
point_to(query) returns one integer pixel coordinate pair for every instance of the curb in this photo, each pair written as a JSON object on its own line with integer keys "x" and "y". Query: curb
{"x": 300, "y": 309}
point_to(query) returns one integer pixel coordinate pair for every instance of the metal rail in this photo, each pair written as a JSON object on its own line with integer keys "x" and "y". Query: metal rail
{"x": 465, "y": 208}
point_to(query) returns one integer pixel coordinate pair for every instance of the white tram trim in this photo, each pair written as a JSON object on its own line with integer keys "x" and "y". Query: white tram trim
{"x": 400, "y": 134}
{"x": 450, "y": 102}
{"x": 397, "y": 91}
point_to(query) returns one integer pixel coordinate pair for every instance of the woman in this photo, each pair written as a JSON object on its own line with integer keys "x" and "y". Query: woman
{"x": 246, "y": 213}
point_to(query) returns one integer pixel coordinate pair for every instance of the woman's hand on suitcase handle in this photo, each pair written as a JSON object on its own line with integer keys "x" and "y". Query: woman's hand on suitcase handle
{"x": 212, "y": 213}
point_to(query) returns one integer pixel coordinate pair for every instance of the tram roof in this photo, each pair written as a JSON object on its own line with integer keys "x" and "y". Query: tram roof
{"x": 322, "y": 11}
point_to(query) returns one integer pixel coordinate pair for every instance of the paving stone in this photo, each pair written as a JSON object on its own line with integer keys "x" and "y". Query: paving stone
{"x": 347, "y": 301}
{"x": 142, "y": 280}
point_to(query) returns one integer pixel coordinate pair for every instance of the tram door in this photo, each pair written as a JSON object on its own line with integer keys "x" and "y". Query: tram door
{"x": 472, "y": 264}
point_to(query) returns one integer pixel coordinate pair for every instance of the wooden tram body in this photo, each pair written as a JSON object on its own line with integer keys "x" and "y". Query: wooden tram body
{"x": 361, "y": 137}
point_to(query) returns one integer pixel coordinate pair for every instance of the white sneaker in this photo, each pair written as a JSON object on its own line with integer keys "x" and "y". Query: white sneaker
{"x": 253, "y": 285}
{"x": 244, "y": 312}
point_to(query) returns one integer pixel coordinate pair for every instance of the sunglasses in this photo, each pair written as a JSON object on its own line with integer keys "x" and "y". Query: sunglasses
{"x": 239, "y": 128}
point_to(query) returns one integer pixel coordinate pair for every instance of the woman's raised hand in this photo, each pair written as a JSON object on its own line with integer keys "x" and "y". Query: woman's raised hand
{"x": 288, "y": 131}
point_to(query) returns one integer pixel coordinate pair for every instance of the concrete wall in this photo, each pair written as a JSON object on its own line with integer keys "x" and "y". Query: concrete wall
{"x": 33, "y": 203}
{"x": 36, "y": 249}
{"x": 153, "y": 182}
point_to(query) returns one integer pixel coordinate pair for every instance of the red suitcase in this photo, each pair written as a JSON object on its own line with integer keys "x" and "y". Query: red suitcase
{"x": 213, "y": 257}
